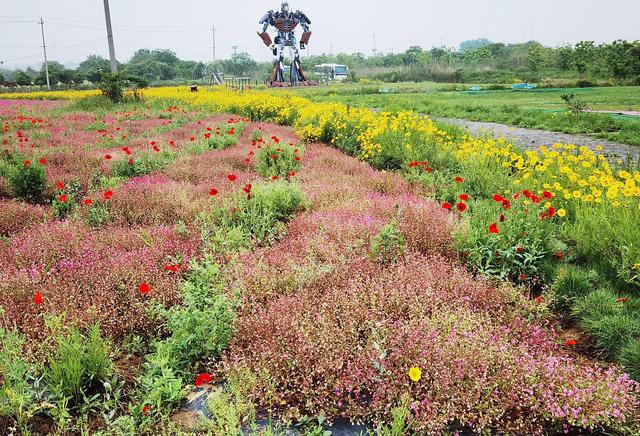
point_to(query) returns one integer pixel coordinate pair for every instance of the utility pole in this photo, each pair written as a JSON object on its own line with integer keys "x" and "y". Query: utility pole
{"x": 331, "y": 51}
{"x": 44, "y": 48}
{"x": 112, "y": 50}
{"x": 235, "y": 49}
{"x": 374, "y": 44}
{"x": 213, "y": 31}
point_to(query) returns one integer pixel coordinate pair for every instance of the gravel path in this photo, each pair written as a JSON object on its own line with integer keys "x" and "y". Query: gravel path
{"x": 531, "y": 139}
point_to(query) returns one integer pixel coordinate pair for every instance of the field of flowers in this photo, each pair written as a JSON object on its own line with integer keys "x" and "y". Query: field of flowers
{"x": 359, "y": 265}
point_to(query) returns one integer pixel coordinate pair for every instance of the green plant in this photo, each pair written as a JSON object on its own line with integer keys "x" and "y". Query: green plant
{"x": 630, "y": 357}
{"x": 17, "y": 395}
{"x": 399, "y": 423}
{"x": 98, "y": 214}
{"x": 28, "y": 181}
{"x": 574, "y": 105}
{"x": 230, "y": 405}
{"x": 572, "y": 282}
{"x": 388, "y": 245}
{"x": 113, "y": 86}
{"x": 275, "y": 160}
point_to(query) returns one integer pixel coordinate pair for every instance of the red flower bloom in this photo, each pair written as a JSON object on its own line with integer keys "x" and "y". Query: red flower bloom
{"x": 193, "y": 138}
{"x": 172, "y": 142}
{"x": 170, "y": 268}
{"x": 213, "y": 192}
{"x": 273, "y": 156}
{"x": 202, "y": 379}
{"x": 502, "y": 218}
{"x": 539, "y": 300}
{"x": 37, "y": 298}
{"x": 428, "y": 169}
{"x": 107, "y": 195}
{"x": 547, "y": 195}
{"x": 63, "y": 198}
{"x": 130, "y": 161}
{"x": 144, "y": 288}
{"x": 126, "y": 150}
{"x": 526, "y": 193}
{"x": 274, "y": 177}
{"x": 27, "y": 163}
{"x": 535, "y": 199}
{"x": 247, "y": 188}
{"x": 60, "y": 185}
{"x": 570, "y": 342}
{"x": 464, "y": 197}
{"x": 519, "y": 250}
{"x": 622, "y": 300}
{"x": 145, "y": 410}
{"x": 42, "y": 161}
{"x": 88, "y": 201}
{"x": 232, "y": 177}
{"x": 493, "y": 228}
{"x": 461, "y": 207}
{"x": 559, "y": 255}
{"x": 459, "y": 179}
{"x": 156, "y": 148}
{"x": 551, "y": 212}
{"x": 506, "y": 204}
{"x": 297, "y": 158}
{"x": 153, "y": 143}
{"x": 107, "y": 156}
{"x": 523, "y": 277}
{"x": 498, "y": 198}
{"x": 447, "y": 205}
{"x": 292, "y": 173}
{"x": 413, "y": 164}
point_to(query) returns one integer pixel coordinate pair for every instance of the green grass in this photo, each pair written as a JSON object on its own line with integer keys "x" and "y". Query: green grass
{"x": 539, "y": 109}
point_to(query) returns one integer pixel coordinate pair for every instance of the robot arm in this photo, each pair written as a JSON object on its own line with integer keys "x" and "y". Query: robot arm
{"x": 265, "y": 21}
{"x": 304, "y": 22}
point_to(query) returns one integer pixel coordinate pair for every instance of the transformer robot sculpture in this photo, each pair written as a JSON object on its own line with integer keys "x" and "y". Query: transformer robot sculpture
{"x": 285, "y": 22}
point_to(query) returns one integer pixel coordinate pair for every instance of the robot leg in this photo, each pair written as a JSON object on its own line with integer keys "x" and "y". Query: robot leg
{"x": 277, "y": 76}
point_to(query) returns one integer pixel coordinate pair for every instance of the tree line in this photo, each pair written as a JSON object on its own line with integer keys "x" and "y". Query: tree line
{"x": 478, "y": 60}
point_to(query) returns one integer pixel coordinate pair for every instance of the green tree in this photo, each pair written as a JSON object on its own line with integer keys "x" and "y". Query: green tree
{"x": 22, "y": 78}
{"x": 564, "y": 57}
{"x": 93, "y": 67}
{"x": 240, "y": 64}
{"x": 583, "y": 56}
{"x": 474, "y": 44}
{"x": 1, "y": 79}
{"x": 535, "y": 58}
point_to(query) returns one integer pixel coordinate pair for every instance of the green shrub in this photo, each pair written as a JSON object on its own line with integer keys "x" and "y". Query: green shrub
{"x": 594, "y": 306}
{"x": 28, "y": 182}
{"x": 79, "y": 364}
{"x": 98, "y": 214}
{"x": 260, "y": 216}
{"x": 612, "y": 332}
{"x": 65, "y": 200}
{"x": 143, "y": 163}
{"x": 572, "y": 282}
{"x": 388, "y": 245}
{"x": 17, "y": 394}
{"x": 230, "y": 406}
{"x": 630, "y": 357}
{"x": 274, "y": 160}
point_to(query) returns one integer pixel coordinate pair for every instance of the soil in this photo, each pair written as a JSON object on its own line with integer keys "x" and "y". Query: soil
{"x": 532, "y": 139}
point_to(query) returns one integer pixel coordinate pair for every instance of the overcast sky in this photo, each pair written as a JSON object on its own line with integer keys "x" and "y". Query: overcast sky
{"x": 75, "y": 28}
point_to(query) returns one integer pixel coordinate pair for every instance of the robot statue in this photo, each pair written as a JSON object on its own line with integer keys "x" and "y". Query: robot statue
{"x": 285, "y": 22}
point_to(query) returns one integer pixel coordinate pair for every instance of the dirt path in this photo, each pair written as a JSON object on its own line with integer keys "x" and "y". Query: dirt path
{"x": 531, "y": 139}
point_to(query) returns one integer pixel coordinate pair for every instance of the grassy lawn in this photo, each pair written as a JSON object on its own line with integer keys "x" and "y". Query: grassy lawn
{"x": 540, "y": 109}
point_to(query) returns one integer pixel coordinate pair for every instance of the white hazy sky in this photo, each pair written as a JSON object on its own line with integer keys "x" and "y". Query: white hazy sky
{"x": 75, "y": 28}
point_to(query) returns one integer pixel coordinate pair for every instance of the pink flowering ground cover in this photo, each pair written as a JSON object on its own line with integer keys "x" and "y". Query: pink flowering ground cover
{"x": 327, "y": 327}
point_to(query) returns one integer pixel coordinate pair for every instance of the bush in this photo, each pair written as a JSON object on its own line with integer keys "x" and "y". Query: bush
{"x": 28, "y": 181}
{"x": 583, "y": 83}
{"x": 80, "y": 363}
{"x": 283, "y": 161}
{"x": 113, "y": 86}
{"x": 260, "y": 215}
{"x": 144, "y": 163}
{"x": 630, "y": 357}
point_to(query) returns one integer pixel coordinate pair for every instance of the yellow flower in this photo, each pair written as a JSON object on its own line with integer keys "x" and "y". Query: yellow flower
{"x": 415, "y": 374}
{"x": 561, "y": 213}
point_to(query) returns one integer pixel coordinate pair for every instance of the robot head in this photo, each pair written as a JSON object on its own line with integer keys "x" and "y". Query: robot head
{"x": 284, "y": 8}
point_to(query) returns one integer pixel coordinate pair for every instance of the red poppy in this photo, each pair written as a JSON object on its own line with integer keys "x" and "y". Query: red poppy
{"x": 202, "y": 379}
{"x": 247, "y": 160}
{"x": 428, "y": 169}
{"x": 447, "y": 205}
{"x": 292, "y": 173}
{"x": 207, "y": 135}
{"x": 88, "y": 201}
{"x": 526, "y": 193}
{"x": 539, "y": 300}
{"x": 107, "y": 195}
{"x": 63, "y": 198}
{"x": 247, "y": 188}
{"x": 274, "y": 177}
{"x": 126, "y": 150}
{"x": 42, "y": 161}
{"x": 506, "y": 204}
{"x": 213, "y": 192}
{"x": 459, "y": 179}
{"x": 107, "y": 156}
{"x": 144, "y": 288}
{"x": 516, "y": 195}
{"x": 551, "y": 212}
{"x": 523, "y": 277}
{"x": 519, "y": 250}
{"x": 413, "y": 164}
{"x": 498, "y": 198}
{"x": 464, "y": 197}
{"x": 37, "y": 298}
{"x": 172, "y": 142}
{"x": 558, "y": 255}
{"x": 297, "y": 158}
{"x": 493, "y": 228}
{"x": 535, "y": 199}
{"x": 622, "y": 300}
{"x": 273, "y": 156}
{"x": 130, "y": 161}
{"x": 60, "y": 185}
{"x": 145, "y": 410}
{"x": 171, "y": 268}
{"x": 232, "y": 177}
{"x": 570, "y": 342}
{"x": 547, "y": 195}
{"x": 461, "y": 207}
{"x": 27, "y": 163}
{"x": 193, "y": 138}
{"x": 153, "y": 143}
{"x": 251, "y": 153}
{"x": 156, "y": 148}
